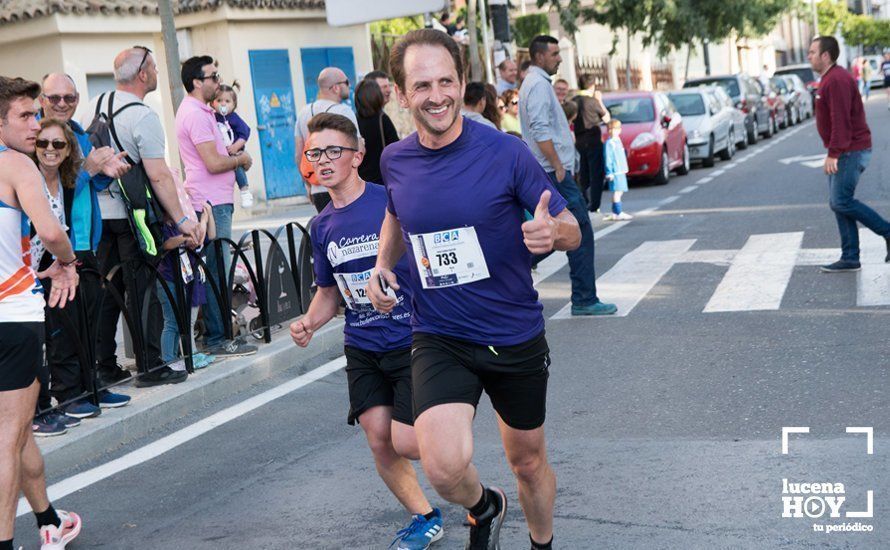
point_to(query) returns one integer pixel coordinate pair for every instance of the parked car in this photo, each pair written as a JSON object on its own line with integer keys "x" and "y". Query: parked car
{"x": 709, "y": 127}
{"x": 746, "y": 94}
{"x": 737, "y": 116}
{"x": 802, "y": 95}
{"x": 652, "y": 133}
{"x": 805, "y": 72}
{"x": 776, "y": 108}
{"x": 877, "y": 77}
{"x": 789, "y": 96}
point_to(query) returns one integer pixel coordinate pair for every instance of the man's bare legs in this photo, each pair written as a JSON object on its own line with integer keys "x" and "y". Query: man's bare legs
{"x": 395, "y": 470}
{"x": 526, "y": 452}
{"x": 445, "y": 438}
{"x": 17, "y": 411}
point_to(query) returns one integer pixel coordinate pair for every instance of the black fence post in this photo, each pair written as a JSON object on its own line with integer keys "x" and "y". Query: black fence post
{"x": 262, "y": 293}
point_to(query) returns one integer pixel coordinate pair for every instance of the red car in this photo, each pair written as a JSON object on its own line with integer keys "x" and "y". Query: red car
{"x": 652, "y": 133}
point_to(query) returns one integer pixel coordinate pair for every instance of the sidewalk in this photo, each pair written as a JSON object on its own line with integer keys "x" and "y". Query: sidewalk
{"x": 153, "y": 408}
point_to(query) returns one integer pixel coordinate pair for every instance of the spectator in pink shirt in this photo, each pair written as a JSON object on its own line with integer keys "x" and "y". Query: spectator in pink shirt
{"x": 210, "y": 177}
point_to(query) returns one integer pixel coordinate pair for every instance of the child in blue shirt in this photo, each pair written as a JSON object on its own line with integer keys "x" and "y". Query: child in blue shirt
{"x": 616, "y": 170}
{"x": 235, "y": 133}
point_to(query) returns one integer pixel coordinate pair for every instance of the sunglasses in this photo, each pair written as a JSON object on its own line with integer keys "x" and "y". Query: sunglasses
{"x": 215, "y": 77}
{"x": 333, "y": 153}
{"x": 144, "y": 57}
{"x": 54, "y": 99}
{"x": 514, "y": 102}
{"x": 344, "y": 82}
{"x": 57, "y": 144}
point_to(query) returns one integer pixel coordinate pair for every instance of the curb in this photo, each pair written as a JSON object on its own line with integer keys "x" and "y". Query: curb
{"x": 153, "y": 408}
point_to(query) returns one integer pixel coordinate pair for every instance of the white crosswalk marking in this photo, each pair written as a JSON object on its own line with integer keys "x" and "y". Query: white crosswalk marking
{"x": 634, "y": 275}
{"x": 756, "y": 280}
{"x": 873, "y": 282}
{"x": 758, "y": 275}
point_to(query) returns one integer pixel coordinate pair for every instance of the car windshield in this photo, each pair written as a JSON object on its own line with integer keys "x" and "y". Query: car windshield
{"x": 805, "y": 74}
{"x": 631, "y": 109}
{"x": 728, "y": 84}
{"x": 688, "y": 104}
{"x": 780, "y": 84}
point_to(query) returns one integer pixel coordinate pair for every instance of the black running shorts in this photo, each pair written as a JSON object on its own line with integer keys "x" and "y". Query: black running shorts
{"x": 379, "y": 378}
{"x": 448, "y": 370}
{"x": 21, "y": 354}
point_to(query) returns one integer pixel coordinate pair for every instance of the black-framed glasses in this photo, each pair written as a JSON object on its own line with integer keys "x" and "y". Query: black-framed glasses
{"x": 215, "y": 77}
{"x": 55, "y": 99}
{"x": 333, "y": 152}
{"x": 57, "y": 144}
{"x": 344, "y": 82}
{"x": 144, "y": 57}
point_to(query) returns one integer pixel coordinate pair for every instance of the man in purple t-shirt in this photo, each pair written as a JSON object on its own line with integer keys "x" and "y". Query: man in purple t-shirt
{"x": 457, "y": 192}
{"x": 209, "y": 177}
{"x": 378, "y": 345}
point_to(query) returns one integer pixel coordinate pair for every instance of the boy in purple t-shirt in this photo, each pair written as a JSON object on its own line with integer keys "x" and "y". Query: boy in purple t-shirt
{"x": 378, "y": 345}
{"x": 456, "y": 191}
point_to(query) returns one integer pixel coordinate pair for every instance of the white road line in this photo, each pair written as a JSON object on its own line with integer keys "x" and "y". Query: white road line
{"x": 631, "y": 279}
{"x": 705, "y": 179}
{"x": 758, "y": 275}
{"x": 715, "y": 257}
{"x": 730, "y": 166}
{"x": 874, "y": 279}
{"x": 716, "y": 173}
{"x": 817, "y": 256}
{"x": 689, "y": 189}
{"x": 668, "y": 200}
{"x": 177, "y": 438}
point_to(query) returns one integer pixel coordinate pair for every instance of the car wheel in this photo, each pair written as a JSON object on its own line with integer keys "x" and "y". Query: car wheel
{"x": 727, "y": 153}
{"x": 708, "y": 161}
{"x": 743, "y": 144}
{"x": 684, "y": 168}
{"x": 753, "y": 134}
{"x": 770, "y": 124}
{"x": 664, "y": 171}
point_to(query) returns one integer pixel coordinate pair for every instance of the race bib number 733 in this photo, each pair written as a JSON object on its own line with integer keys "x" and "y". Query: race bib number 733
{"x": 449, "y": 258}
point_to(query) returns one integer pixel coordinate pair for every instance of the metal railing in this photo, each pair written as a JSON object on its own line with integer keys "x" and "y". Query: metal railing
{"x": 282, "y": 259}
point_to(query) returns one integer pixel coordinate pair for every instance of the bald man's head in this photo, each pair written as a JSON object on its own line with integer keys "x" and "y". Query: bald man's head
{"x": 333, "y": 84}
{"x": 136, "y": 67}
{"x": 59, "y": 98}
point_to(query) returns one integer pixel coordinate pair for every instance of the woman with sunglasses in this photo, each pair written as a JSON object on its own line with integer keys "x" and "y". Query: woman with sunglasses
{"x": 510, "y": 112}
{"x": 59, "y": 164}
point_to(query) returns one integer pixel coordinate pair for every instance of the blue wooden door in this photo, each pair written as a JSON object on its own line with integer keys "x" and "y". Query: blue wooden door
{"x": 273, "y": 96}
{"x": 316, "y": 59}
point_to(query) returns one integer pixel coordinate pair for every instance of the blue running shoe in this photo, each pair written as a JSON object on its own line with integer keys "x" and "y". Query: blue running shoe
{"x": 109, "y": 400}
{"x": 44, "y": 426}
{"x": 420, "y": 533}
{"x": 82, "y": 409}
{"x": 64, "y": 419}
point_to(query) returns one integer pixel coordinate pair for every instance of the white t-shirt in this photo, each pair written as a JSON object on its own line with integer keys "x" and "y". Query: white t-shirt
{"x": 58, "y": 208}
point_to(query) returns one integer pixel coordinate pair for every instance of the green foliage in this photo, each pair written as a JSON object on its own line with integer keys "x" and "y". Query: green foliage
{"x": 832, "y": 14}
{"x": 526, "y": 27}
{"x": 398, "y": 26}
{"x": 862, "y": 30}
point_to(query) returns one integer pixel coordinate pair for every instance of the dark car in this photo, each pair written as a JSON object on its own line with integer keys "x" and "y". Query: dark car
{"x": 747, "y": 96}
{"x": 805, "y": 72}
{"x": 793, "y": 109}
{"x": 777, "y": 106}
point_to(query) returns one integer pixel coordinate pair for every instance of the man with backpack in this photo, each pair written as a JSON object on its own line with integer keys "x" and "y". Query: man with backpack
{"x": 333, "y": 89}
{"x": 131, "y": 207}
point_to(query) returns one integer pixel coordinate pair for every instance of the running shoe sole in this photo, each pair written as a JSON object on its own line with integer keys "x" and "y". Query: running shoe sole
{"x": 436, "y": 537}
{"x": 843, "y": 270}
{"x": 113, "y": 405}
{"x": 497, "y": 522}
{"x": 78, "y": 525}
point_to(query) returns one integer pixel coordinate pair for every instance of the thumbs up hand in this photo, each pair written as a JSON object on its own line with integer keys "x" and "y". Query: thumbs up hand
{"x": 539, "y": 233}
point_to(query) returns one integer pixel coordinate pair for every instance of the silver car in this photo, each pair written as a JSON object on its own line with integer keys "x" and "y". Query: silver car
{"x": 804, "y": 98}
{"x": 738, "y": 117}
{"x": 709, "y": 127}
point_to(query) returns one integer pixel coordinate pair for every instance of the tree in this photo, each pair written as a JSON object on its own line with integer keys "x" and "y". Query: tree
{"x": 526, "y": 27}
{"x": 831, "y": 14}
{"x": 398, "y": 26}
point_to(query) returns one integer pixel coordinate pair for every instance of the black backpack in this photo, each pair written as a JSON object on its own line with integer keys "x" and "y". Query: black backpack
{"x": 145, "y": 213}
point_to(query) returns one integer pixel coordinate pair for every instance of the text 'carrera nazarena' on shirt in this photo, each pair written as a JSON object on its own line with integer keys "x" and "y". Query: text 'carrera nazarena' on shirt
{"x": 461, "y": 209}
{"x": 344, "y": 247}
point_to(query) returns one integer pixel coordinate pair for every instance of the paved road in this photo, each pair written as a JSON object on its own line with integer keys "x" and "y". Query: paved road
{"x": 664, "y": 424}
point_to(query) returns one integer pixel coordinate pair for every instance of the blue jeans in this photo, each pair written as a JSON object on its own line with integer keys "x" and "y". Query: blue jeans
{"x": 213, "y": 319}
{"x": 581, "y": 270}
{"x": 170, "y": 332}
{"x": 241, "y": 178}
{"x": 847, "y": 209}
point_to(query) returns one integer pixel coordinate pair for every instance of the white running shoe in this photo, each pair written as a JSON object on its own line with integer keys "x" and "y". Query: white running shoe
{"x": 246, "y": 199}
{"x": 610, "y": 218}
{"x": 55, "y": 538}
{"x": 624, "y": 216}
